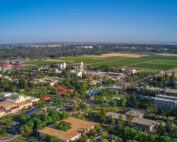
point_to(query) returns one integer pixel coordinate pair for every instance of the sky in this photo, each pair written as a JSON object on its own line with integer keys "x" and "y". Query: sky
{"x": 24, "y": 21}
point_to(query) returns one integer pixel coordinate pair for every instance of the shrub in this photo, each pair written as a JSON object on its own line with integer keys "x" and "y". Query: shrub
{"x": 63, "y": 125}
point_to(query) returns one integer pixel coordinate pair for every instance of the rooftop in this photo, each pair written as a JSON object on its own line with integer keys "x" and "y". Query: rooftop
{"x": 7, "y": 104}
{"x": 137, "y": 120}
{"x": 77, "y": 126}
{"x": 167, "y": 97}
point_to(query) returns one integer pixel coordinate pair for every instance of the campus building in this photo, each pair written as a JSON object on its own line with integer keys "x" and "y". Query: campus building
{"x": 139, "y": 123}
{"x": 78, "y": 128}
{"x": 165, "y": 102}
{"x": 61, "y": 66}
{"x": 14, "y": 102}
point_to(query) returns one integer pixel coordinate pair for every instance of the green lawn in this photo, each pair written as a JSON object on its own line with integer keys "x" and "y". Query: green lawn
{"x": 42, "y": 62}
{"x": 20, "y": 139}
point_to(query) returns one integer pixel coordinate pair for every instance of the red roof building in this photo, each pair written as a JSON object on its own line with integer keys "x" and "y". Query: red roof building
{"x": 5, "y": 65}
{"x": 45, "y": 97}
{"x": 62, "y": 89}
{"x": 17, "y": 66}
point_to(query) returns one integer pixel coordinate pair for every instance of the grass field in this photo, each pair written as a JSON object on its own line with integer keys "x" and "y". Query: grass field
{"x": 42, "y": 62}
{"x": 20, "y": 139}
{"x": 157, "y": 62}
{"x": 161, "y": 64}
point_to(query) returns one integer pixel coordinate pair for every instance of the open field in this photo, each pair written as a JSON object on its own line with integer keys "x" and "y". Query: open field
{"x": 85, "y": 59}
{"x": 42, "y": 62}
{"x": 119, "y": 54}
{"x": 165, "y": 54}
{"x": 156, "y": 62}
{"x": 161, "y": 64}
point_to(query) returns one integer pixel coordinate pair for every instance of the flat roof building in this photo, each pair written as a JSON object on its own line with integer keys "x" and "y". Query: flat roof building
{"x": 78, "y": 127}
{"x": 139, "y": 123}
{"x": 165, "y": 102}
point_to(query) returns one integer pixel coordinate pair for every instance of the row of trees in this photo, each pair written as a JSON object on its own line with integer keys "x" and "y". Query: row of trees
{"x": 130, "y": 133}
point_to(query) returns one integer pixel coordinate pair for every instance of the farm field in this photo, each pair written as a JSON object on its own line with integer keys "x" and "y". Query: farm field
{"x": 161, "y": 64}
{"x": 157, "y": 62}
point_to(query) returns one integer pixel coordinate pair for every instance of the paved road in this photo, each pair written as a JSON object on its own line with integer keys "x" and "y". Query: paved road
{"x": 8, "y": 138}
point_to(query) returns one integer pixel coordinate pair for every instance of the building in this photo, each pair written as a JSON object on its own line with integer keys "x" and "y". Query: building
{"x": 165, "y": 102}
{"x": 14, "y": 102}
{"x": 61, "y": 66}
{"x": 5, "y": 67}
{"x": 170, "y": 91}
{"x": 139, "y": 123}
{"x": 82, "y": 67}
{"x": 62, "y": 90}
{"x": 78, "y": 128}
{"x": 78, "y": 74}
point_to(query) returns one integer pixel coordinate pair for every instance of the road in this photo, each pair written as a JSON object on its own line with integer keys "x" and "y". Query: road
{"x": 8, "y": 138}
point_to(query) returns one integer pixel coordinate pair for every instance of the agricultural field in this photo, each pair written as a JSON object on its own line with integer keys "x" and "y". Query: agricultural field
{"x": 157, "y": 62}
{"x": 85, "y": 59}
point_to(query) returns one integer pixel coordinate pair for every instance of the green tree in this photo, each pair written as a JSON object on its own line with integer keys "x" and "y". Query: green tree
{"x": 123, "y": 102}
{"x": 120, "y": 121}
{"x": 104, "y": 134}
{"x": 113, "y": 121}
{"x": 129, "y": 120}
{"x": 26, "y": 130}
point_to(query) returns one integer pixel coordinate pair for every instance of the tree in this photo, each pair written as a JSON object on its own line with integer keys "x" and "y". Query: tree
{"x": 120, "y": 121}
{"x": 129, "y": 120}
{"x": 26, "y": 130}
{"x": 103, "y": 116}
{"x": 97, "y": 127}
{"x": 2, "y": 131}
{"x": 104, "y": 134}
{"x": 112, "y": 103}
{"x": 123, "y": 102}
{"x": 83, "y": 106}
{"x": 113, "y": 121}
{"x": 160, "y": 129}
{"x": 63, "y": 125}
{"x": 48, "y": 138}
{"x": 92, "y": 132}
{"x": 53, "y": 139}
{"x": 104, "y": 140}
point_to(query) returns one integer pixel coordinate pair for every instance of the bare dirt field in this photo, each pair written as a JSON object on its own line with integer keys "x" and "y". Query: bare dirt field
{"x": 119, "y": 54}
{"x": 166, "y": 54}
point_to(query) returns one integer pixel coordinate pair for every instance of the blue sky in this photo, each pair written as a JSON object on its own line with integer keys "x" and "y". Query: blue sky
{"x": 88, "y": 20}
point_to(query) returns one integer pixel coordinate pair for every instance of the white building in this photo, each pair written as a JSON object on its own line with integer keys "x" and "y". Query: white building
{"x": 82, "y": 67}
{"x": 62, "y": 66}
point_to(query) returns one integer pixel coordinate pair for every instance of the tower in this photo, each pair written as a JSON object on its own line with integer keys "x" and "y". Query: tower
{"x": 81, "y": 66}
